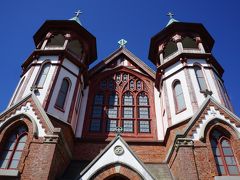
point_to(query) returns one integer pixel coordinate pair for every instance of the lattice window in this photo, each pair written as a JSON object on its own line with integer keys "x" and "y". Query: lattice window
{"x": 14, "y": 146}
{"x": 223, "y": 154}
{"x": 120, "y": 101}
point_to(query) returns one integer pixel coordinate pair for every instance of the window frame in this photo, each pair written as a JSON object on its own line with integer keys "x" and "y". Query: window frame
{"x": 14, "y": 149}
{"x": 177, "y": 109}
{"x": 197, "y": 77}
{"x": 40, "y": 73}
{"x": 121, "y": 87}
{"x": 221, "y": 153}
{"x": 66, "y": 95}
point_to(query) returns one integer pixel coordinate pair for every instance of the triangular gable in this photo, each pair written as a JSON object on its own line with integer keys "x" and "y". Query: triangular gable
{"x": 31, "y": 107}
{"x": 210, "y": 110}
{"x": 130, "y": 57}
{"x": 110, "y": 155}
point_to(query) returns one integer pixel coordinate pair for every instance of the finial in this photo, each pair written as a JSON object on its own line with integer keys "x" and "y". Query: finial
{"x": 118, "y": 131}
{"x": 122, "y": 42}
{"x": 170, "y": 15}
{"x": 78, "y": 12}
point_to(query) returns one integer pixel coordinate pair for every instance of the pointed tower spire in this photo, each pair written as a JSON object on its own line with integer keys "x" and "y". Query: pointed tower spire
{"x": 76, "y": 17}
{"x": 172, "y": 20}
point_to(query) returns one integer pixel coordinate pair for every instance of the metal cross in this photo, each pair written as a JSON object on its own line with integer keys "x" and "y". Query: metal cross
{"x": 122, "y": 42}
{"x": 170, "y": 15}
{"x": 78, "y": 12}
{"x": 118, "y": 130}
{"x": 207, "y": 92}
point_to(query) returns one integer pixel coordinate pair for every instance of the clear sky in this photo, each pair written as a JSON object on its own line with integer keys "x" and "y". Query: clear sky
{"x": 134, "y": 20}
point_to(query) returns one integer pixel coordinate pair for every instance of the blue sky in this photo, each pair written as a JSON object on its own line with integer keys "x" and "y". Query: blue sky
{"x": 109, "y": 21}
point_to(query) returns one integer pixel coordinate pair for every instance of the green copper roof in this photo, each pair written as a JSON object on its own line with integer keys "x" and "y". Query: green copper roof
{"x": 172, "y": 20}
{"x": 76, "y": 19}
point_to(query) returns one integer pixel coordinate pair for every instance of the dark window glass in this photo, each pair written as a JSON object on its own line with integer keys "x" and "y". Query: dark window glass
{"x": 200, "y": 78}
{"x": 178, "y": 96}
{"x": 62, "y": 95}
{"x": 12, "y": 151}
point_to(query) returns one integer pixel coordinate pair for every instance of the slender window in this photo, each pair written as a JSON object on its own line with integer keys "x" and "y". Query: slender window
{"x": 43, "y": 75}
{"x": 112, "y": 112}
{"x": 223, "y": 154}
{"x": 200, "y": 78}
{"x": 12, "y": 151}
{"x": 62, "y": 95}
{"x": 97, "y": 111}
{"x": 224, "y": 95}
{"x": 128, "y": 112}
{"x": 143, "y": 113}
{"x": 178, "y": 96}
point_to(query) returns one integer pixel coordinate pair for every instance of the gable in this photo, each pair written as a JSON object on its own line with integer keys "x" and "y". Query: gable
{"x": 116, "y": 152}
{"x": 123, "y": 58}
{"x": 31, "y": 108}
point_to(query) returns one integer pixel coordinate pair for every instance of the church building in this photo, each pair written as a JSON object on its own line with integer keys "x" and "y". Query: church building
{"x": 120, "y": 119}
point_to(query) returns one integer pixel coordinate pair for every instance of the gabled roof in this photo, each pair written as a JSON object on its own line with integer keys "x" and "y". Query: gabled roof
{"x": 32, "y": 97}
{"x": 194, "y": 119}
{"x": 118, "y": 140}
{"x": 123, "y": 51}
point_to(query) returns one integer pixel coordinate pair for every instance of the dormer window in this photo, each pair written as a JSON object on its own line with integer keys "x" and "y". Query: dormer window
{"x": 55, "y": 42}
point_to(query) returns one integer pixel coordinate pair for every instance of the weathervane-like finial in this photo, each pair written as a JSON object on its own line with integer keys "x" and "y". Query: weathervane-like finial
{"x": 170, "y": 15}
{"x": 122, "y": 42}
{"x": 78, "y": 12}
{"x": 118, "y": 131}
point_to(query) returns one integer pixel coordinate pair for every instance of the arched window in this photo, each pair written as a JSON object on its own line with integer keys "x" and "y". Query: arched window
{"x": 189, "y": 43}
{"x": 143, "y": 113}
{"x": 55, "y": 42}
{"x": 223, "y": 154}
{"x": 200, "y": 78}
{"x": 170, "y": 48}
{"x": 62, "y": 95}
{"x": 120, "y": 100}
{"x": 178, "y": 96}
{"x": 13, "y": 148}
{"x": 42, "y": 75}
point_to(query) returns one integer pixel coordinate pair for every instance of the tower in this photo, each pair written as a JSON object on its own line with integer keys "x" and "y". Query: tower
{"x": 187, "y": 71}
{"x": 56, "y": 71}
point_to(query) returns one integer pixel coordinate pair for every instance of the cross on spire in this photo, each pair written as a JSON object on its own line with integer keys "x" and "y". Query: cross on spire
{"x": 170, "y": 15}
{"x": 122, "y": 42}
{"x": 78, "y": 12}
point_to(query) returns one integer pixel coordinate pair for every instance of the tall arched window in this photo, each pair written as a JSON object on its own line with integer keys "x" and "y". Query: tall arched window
{"x": 120, "y": 100}
{"x": 178, "y": 96}
{"x": 143, "y": 113}
{"x": 13, "y": 148}
{"x": 200, "y": 78}
{"x": 63, "y": 92}
{"x": 223, "y": 154}
{"x": 42, "y": 75}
